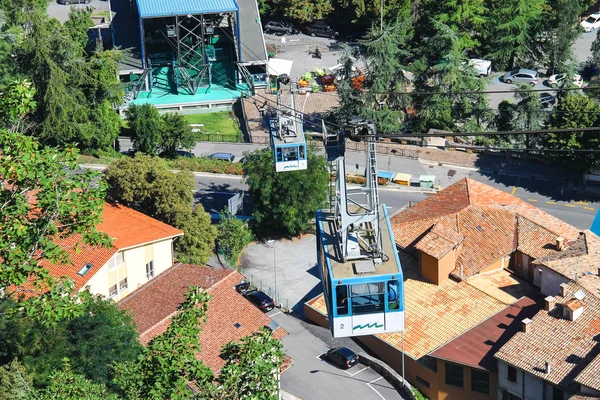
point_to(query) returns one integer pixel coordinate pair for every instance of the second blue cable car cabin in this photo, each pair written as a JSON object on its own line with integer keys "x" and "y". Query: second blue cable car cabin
{"x": 362, "y": 298}
{"x": 288, "y": 144}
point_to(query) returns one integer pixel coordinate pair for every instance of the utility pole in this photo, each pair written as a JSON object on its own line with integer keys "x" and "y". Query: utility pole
{"x": 272, "y": 243}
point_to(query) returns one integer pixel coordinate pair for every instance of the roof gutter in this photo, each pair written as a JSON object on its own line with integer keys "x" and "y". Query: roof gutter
{"x": 147, "y": 243}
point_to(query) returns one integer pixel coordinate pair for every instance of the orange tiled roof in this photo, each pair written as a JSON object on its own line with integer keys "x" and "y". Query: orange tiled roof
{"x": 493, "y": 224}
{"x": 590, "y": 376}
{"x": 439, "y": 241}
{"x": 568, "y": 346}
{"x": 125, "y": 226}
{"x": 581, "y": 257}
{"x": 153, "y": 305}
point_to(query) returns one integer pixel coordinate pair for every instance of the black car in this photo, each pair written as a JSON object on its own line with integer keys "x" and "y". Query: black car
{"x": 68, "y": 2}
{"x": 186, "y": 154}
{"x": 343, "y": 357}
{"x": 260, "y": 300}
{"x": 320, "y": 28}
{"x": 284, "y": 28}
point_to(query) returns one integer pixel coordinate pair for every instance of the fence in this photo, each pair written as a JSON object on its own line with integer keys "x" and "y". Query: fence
{"x": 281, "y": 301}
{"x": 218, "y": 137}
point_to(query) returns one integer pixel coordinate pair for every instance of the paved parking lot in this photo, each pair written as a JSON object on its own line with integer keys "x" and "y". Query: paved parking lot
{"x": 310, "y": 377}
{"x": 61, "y": 11}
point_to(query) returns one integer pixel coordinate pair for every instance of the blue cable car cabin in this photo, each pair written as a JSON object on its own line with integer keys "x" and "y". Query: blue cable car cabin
{"x": 287, "y": 139}
{"x": 362, "y": 298}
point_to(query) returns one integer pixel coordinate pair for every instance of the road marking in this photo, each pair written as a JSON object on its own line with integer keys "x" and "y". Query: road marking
{"x": 320, "y": 356}
{"x": 375, "y": 380}
{"x": 569, "y": 205}
{"x": 532, "y": 200}
{"x": 375, "y": 390}
{"x": 550, "y": 202}
{"x": 583, "y": 203}
{"x": 589, "y": 208}
{"x": 355, "y": 372}
{"x": 272, "y": 315}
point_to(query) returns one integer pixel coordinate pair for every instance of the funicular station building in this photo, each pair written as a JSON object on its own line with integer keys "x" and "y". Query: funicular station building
{"x": 189, "y": 54}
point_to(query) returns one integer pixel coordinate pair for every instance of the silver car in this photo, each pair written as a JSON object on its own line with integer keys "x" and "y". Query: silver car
{"x": 521, "y": 75}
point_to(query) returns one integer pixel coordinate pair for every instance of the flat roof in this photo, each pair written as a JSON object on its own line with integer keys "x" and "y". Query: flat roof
{"x": 161, "y": 8}
{"x": 347, "y": 269}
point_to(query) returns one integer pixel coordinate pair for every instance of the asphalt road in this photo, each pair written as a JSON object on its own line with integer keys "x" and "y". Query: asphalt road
{"x": 61, "y": 11}
{"x": 311, "y": 377}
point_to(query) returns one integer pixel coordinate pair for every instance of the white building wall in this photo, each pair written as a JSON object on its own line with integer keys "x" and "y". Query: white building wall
{"x": 163, "y": 256}
{"x": 515, "y": 388}
{"x": 99, "y": 282}
{"x": 551, "y": 281}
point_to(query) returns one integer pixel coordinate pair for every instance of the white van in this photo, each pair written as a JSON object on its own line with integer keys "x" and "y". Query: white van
{"x": 481, "y": 67}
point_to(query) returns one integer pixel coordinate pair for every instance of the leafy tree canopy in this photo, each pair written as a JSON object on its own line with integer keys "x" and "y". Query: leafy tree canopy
{"x": 285, "y": 202}
{"x": 177, "y": 135}
{"x": 232, "y": 236}
{"x": 145, "y": 127}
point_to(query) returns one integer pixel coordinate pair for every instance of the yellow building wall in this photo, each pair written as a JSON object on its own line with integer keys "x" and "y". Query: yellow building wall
{"x": 133, "y": 268}
{"x": 437, "y": 271}
{"x": 498, "y": 264}
{"x": 449, "y": 392}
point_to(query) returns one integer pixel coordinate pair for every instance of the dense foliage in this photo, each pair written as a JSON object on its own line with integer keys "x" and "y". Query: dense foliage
{"x": 232, "y": 236}
{"x": 285, "y": 203}
{"x": 146, "y": 184}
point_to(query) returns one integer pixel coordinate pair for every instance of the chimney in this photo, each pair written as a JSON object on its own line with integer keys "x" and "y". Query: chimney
{"x": 549, "y": 303}
{"x": 563, "y": 289}
{"x": 572, "y": 309}
{"x": 560, "y": 243}
{"x": 526, "y": 323}
{"x": 547, "y": 368}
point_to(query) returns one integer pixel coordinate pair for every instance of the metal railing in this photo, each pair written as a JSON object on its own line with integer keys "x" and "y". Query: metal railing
{"x": 218, "y": 137}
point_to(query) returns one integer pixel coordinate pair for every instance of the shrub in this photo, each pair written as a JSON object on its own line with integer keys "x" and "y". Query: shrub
{"x": 207, "y": 165}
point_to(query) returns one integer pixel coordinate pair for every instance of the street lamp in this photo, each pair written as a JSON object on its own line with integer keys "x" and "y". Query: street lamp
{"x": 272, "y": 243}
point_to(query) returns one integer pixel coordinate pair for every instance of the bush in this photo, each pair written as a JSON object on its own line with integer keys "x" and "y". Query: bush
{"x": 207, "y": 165}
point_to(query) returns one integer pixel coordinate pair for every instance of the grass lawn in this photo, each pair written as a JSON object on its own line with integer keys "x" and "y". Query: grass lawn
{"x": 224, "y": 123}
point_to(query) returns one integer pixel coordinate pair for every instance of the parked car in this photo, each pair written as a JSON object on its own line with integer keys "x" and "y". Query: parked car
{"x": 222, "y": 156}
{"x": 481, "y": 67}
{"x": 284, "y": 28}
{"x": 521, "y": 75}
{"x": 343, "y": 357}
{"x": 547, "y": 100}
{"x": 260, "y": 300}
{"x": 183, "y": 153}
{"x": 591, "y": 23}
{"x": 68, "y": 2}
{"x": 320, "y": 28}
{"x": 558, "y": 79}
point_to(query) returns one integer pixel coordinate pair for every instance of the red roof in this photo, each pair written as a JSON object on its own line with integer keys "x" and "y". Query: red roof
{"x": 477, "y": 346}
{"x": 125, "y": 226}
{"x": 230, "y": 316}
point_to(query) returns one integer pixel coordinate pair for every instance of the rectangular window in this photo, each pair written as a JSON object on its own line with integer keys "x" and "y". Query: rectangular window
{"x": 480, "y": 381}
{"x": 116, "y": 261}
{"x": 506, "y": 395}
{"x": 423, "y": 382}
{"x": 84, "y": 269}
{"x": 122, "y": 284}
{"x": 393, "y": 295}
{"x": 367, "y": 298}
{"x": 112, "y": 292}
{"x": 150, "y": 270}
{"x": 454, "y": 375}
{"x": 557, "y": 394}
{"x": 341, "y": 295}
{"x": 512, "y": 374}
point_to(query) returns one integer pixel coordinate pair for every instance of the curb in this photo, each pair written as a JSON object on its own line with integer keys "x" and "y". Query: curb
{"x": 283, "y": 395}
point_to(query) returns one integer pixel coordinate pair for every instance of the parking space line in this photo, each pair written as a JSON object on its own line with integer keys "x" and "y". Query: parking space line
{"x": 375, "y": 390}
{"x": 569, "y": 205}
{"x": 583, "y": 203}
{"x": 272, "y": 315}
{"x": 375, "y": 380}
{"x": 532, "y": 200}
{"x": 550, "y": 202}
{"x": 355, "y": 372}
{"x": 320, "y": 356}
{"x": 589, "y": 208}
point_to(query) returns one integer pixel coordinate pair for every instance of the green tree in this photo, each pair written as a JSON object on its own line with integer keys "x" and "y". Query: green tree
{"x": 529, "y": 114}
{"x": 559, "y": 30}
{"x": 78, "y": 24}
{"x": 512, "y": 30}
{"x": 250, "y": 367}
{"x": 146, "y": 184}
{"x": 177, "y": 134}
{"x": 15, "y": 382}
{"x": 16, "y": 104}
{"x": 575, "y": 111}
{"x": 285, "y": 202}
{"x": 232, "y": 236}
{"x": 465, "y": 17}
{"x": 67, "y": 385}
{"x": 101, "y": 335}
{"x": 145, "y": 127}
{"x": 304, "y": 10}
{"x": 168, "y": 364}
{"x": 66, "y": 204}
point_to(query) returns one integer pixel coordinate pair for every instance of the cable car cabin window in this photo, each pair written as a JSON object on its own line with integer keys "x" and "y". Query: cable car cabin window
{"x": 279, "y": 155}
{"x": 367, "y": 298}
{"x": 341, "y": 295}
{"x": 290, "y": 154}
{"x": 393, "y": 295}
{"x": 302, "y": 156}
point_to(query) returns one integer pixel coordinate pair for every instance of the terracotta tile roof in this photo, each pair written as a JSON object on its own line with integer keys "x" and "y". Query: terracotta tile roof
{"x": 153, "y": 305}
{"x": 476, "y": 347}
{"x": 132, "y": 228}
{"x": 439, "y": 241}
{"x": 581, "y": 257}
{"x": 437, "y": 314}
{"x": 126, "y": 226}
{"x": 590, "y": 376}
{"x": 493, "y": 224}
{"x": 568, "y": 346}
